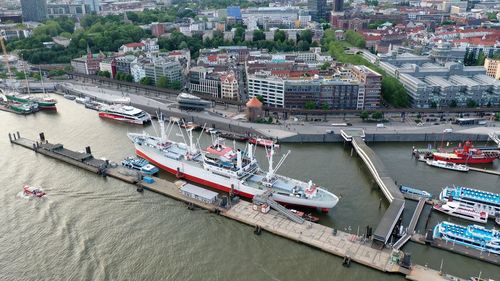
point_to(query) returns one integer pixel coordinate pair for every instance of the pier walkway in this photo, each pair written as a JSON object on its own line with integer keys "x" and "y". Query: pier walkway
{"x": 412, "y": 225}
{"x": 387, "y": 185}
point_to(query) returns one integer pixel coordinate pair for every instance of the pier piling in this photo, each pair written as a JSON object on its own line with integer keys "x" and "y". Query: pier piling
{"x": 10, "y": 138}
{"x": 18, "y": 135}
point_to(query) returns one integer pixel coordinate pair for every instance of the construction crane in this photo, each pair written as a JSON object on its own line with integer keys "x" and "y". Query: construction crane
{"x": 5, "y": 56}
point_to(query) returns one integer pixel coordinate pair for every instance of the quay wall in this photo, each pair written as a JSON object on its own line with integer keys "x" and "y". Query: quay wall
{"x": 387, "y": 137}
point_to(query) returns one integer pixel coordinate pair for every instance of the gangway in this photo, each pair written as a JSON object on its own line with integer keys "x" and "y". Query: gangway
{"x": 265, "y": 198}
{"x": 494, "y": 137}
{"x": 412, "y": 225}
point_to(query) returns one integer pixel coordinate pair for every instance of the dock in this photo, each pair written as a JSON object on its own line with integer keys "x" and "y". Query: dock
{"x": 385, "y": 182}
{"x": 348, "y": 246}
{"x": 413, "y": 223}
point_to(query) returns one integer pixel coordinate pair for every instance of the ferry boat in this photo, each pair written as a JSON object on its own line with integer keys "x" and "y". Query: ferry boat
{"x": 460, "y": 210}
{"x": 125, "y": 113}
{"x": 226, "y": 169}
{"x": 140, "y": 165}
{"x": 262, "y": 142}
{"x": 447, "y": 165}
{"x": 33, "y": 191}
{"x": 414, "y": 193}
{"x": 478, "y": 199}
{"x": 473, "y": 236}
{"x": 467, "y": 154}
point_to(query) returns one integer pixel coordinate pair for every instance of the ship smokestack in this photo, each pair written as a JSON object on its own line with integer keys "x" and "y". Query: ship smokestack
{"x": 238, "y": 159}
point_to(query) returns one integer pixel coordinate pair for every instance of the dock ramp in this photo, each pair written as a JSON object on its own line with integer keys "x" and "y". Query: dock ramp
{"x": 266, "y": 199}
{"x": 412, "y": 225}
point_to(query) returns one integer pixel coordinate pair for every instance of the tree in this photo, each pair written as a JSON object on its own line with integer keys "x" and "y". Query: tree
{"x": 364, "y": 115}
{"x": 433, "y": 104}
{"x": 310, "y": 105}
{"x": 325, "y": 106}
{"x": 325, "y": 66}
{"x": 471, "y": 103}
{"x": 453, "y": 103}
{"x": 176, "y": 85}
{"x": 303, "y": 45}
{"x": 480, "y": 58}
{"x": 104, "y": 73}
{"x": 146, "y": 81}
{"x": 306, "y": 35}
{"x": 279, "y": 36}
{"x": 162, "y": 82}
{"x": 377, "y": 115}
{"x": 355, "y": 38}
{"x": 258, "y": 35}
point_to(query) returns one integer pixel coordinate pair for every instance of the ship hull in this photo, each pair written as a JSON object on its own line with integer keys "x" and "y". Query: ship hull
{"x": 482, "y": 160}
{"x": 203, "y": 177}
{"x": 120, "y": 118}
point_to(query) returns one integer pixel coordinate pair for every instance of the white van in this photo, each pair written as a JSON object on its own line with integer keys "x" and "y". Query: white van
{"x": 380, "y": 125}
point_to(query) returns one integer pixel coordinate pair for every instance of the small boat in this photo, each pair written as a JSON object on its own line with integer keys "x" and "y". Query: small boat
{"x": 447, "y": 165}
{"x": 232, "y": 136}
{"x": 189, "y": 125}
{"x": 262, "y": 142}
{"x": 461, "y": 210}
{"x": 69, "y": 97}
{"x": 33, "y": 191}
{"x": 94, "y": 105}
{"x": 414, "y": 193}
{"x": 140, "y": 165}
{"x": 307, "y": 217}
{"x": 81, "y": 100}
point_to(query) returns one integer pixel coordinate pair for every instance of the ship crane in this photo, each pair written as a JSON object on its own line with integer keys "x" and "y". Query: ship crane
{"x": 272, "y": 170}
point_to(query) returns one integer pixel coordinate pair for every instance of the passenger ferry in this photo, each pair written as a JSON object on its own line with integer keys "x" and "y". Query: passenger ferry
{"x": 414, "y": 193}
{"x": 478, "y": 199}
{"x": 473, "y": 236}
{"x": 447, "y": 165}
{"x": 125, "y": 113}
{"x": 463, "y": 211}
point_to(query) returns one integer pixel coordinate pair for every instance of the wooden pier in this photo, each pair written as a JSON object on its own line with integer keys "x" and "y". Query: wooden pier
{"x": 348, "y": 246}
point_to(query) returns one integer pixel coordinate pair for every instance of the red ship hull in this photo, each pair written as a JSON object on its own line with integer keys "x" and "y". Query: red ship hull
{"x": 472, "y": 160}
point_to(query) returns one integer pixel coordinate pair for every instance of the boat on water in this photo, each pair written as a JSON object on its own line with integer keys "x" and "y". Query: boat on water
{"x": 43, "y": 103}
{"x": 461, "y": 210}
{"x": 414, "y": 193}
{"x": 224, "y": 168}
{"x": 23, "y": 108}
{"x": 233, "y": 136}
{"x": 308, "y": 217}
{"x": 188, "y": 101}
{"x": 69, "y": 97}
{"x": 140, "y": 165}
{"x": 33, "y": 191}
{"x": 94, "y": 105}
{"x": 125, "y": 113}
{"x": 190, "y": 125}
{"x": 262, "y": 142}
{"x": 447, "y": 165}
{"x": 81, "y": 100}
{"x": 467, "y": 154}
{"x": 478, "y": 199}
{"x": 474, "y": 236}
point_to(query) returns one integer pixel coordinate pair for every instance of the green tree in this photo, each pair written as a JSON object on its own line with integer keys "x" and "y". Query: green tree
{"x": 355, "y": 38}
{"x": 162, "y": 82}
{"x": 364, "y": 115}
{"x": 377, "y": 115}
{"x": 258, "y": 35}
{"x": 279, "y": 36}
{"x": 325, "y": 66}
{"x": 433, "y": 104}
{"x": 146, "y": 81}
{"x": 453, "y": 104}
{"x": 306, "y": 35}
{"x": 480, "y": 58}
{"x": 303, "y": 45}
{"x": 471, "y": 103}
{"x": 104, "y": 73}
{"x": 325, "y": 106}
{"x": 310, "y": 105}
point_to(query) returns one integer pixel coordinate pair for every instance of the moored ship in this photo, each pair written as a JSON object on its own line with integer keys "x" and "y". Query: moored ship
{"x": 44, "y": 103}
{"x": 461, "y": 210}
{"x": 226, "y": 169}
{"x": 478, "y": 199}
{"x": 467, "y": 154}
{"x": 447, "y": 165}
{"x": 125, "y": 113}
{"x": 473, "y": 236}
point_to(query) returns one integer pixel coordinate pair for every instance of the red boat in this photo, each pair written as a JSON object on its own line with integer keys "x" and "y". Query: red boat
{"x": 33, "y": 191}
{"x": 307, "y": 217}
{"x": 467, "y": 155}
{"x": 262, "y": 142}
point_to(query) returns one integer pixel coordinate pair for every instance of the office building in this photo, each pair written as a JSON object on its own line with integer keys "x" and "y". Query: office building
{"x": 34, "y": 10}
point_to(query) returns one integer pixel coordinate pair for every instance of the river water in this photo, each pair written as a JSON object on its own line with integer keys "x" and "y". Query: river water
{"x": 92, "y": 228}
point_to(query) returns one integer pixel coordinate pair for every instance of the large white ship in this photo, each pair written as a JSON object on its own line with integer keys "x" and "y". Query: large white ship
{"x": 124, "y": 113}
{"x": 226, "y": 169}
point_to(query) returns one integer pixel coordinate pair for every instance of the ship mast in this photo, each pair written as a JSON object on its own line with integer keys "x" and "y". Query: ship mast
{"x": 161, "y": 121}
{"x": 272, "y": 170}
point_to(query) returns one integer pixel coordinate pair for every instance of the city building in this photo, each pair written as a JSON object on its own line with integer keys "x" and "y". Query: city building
{"x": 34, "y": 10}
{"x": 254, "y": 109}
{"x": 492, "y": 67}
{"x": 338, "y": 5}
{"x": 88, "y": 64}
{"x": 67, "y": 10}
{"x": 123, "y": 63}
{"x": 203, "y": 80}
{"x": 108, "y": 65}
{"x": 229, "y": 86}
{"x": 160, "y": 67}
{"x": 372, "y": 82}
{"x": 317, "y": 9}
